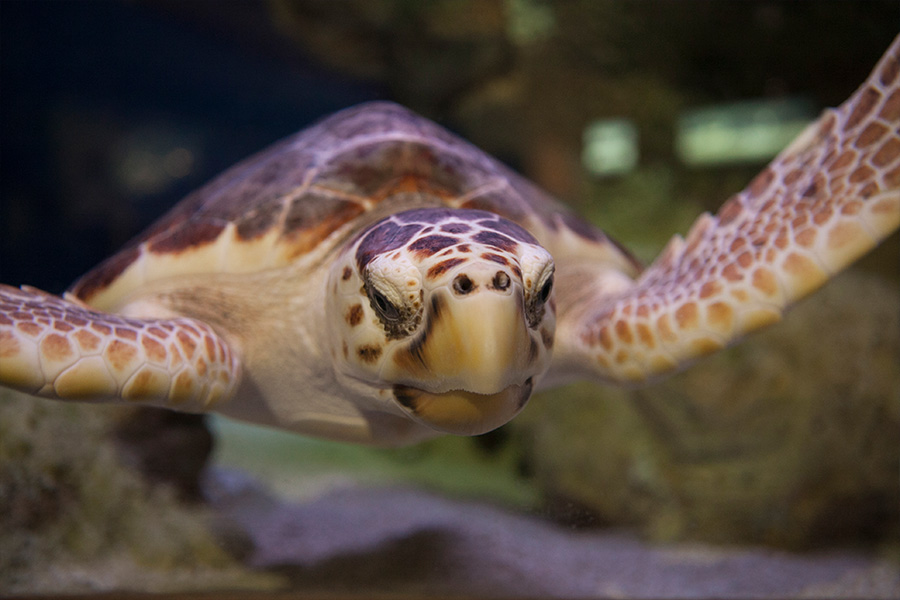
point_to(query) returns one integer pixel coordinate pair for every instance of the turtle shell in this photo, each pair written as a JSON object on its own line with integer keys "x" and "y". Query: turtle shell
{"x": 313, "y": 190}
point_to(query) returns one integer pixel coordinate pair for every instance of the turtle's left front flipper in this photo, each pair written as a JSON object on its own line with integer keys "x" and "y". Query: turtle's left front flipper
{"x": 831, "y": 196}
{"x": 61, "y": 349}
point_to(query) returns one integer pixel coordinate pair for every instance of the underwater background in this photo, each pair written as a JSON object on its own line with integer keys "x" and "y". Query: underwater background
{"x": 641, "y": 115}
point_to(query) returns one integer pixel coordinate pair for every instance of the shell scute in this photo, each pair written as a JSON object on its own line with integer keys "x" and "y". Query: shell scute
{"x": 183, "y": 238}
{"x": 496, "y": 201}
{"x": 315, "y": 217}
{"x": 372, "y": 168}
{"x": 257, "y": 223}
{"x": 101, "y": 276}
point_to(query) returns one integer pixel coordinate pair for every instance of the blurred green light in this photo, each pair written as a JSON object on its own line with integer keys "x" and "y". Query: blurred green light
{"x": 610, "y": 147}
{"x": 745, "y": 132}
{"x": 529, "y": 20}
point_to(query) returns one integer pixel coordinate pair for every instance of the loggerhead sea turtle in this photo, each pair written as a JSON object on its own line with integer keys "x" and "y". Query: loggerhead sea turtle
{"x": 376, "y": 279}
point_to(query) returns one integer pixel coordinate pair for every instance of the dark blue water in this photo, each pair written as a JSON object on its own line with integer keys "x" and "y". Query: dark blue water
{"x": 82, "y": 82}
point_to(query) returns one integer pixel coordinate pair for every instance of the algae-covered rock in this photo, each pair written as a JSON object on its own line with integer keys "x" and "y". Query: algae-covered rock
{"x": 75, "y": 516}
{"x": 790, "y": 438}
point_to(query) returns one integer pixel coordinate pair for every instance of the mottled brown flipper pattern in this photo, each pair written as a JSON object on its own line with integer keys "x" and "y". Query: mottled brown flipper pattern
{"x": 831, "y": 196}
{"x": 59, "y": 349}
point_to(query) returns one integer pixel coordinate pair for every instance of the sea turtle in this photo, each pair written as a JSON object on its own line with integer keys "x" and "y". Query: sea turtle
{"x": 376, "y": 279}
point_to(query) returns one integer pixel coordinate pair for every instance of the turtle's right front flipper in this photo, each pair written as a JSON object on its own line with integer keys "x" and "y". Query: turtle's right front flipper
{"x": 56, "y": 348}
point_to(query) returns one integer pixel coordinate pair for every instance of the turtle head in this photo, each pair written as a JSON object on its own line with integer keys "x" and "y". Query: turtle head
{"x": 448, "y": 312}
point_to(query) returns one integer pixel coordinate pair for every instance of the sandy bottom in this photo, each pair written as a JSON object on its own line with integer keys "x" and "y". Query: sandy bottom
{"x": 405, "y": 541}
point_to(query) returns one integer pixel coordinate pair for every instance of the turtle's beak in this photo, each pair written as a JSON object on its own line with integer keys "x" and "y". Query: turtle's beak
{"x": 470, "y": 369}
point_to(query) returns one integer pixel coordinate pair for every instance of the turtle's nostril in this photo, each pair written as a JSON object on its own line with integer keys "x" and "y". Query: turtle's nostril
{"x": 462, "y": 285}
{"x": 500, "y": 281}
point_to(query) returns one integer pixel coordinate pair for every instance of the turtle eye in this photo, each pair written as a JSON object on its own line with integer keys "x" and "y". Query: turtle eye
{"x": 536, "y": 301}
{"x": 383, "y": 306}
{"x": 544, "y": 294}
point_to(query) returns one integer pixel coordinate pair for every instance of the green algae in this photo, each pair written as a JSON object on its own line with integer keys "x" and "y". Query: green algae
{"x": 74, "y": 516}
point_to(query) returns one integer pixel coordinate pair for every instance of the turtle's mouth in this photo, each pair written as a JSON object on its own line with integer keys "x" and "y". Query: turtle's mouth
{"x": 461, "y": 412}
